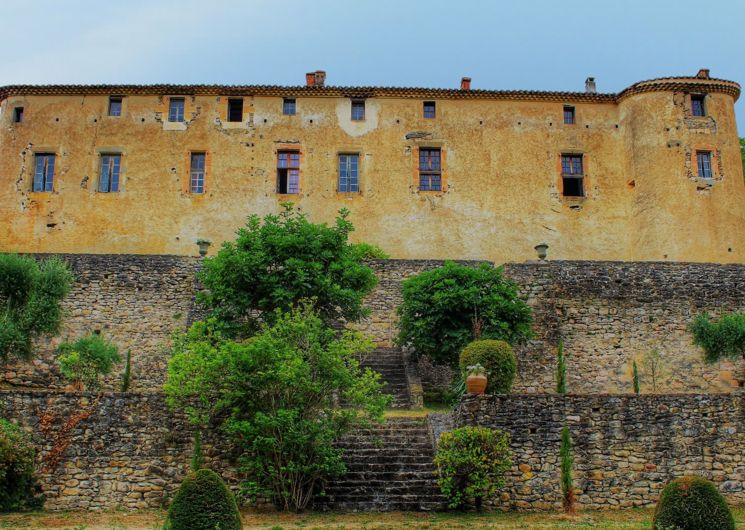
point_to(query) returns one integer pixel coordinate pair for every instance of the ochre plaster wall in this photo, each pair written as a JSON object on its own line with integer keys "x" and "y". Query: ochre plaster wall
{"x": 502, "y": 168}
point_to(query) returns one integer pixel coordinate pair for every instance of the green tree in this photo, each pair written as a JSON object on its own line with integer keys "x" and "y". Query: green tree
{"x": 278, "y": 261}
{"x": 30, "y": 301}
{"x": 276, "y": 396}
{"x": 567, "y": 485}
{"x": 18, "y": 487}
{"x": 635, "y": 378}
{"x": 84, "y": 361}
{"x": 471, "y": 462}
{"x": 445, "y": 308}
{"x": 720, "y": 339}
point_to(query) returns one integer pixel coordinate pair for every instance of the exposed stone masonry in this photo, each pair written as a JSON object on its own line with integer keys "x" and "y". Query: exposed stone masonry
{"x": 625, "y": 447}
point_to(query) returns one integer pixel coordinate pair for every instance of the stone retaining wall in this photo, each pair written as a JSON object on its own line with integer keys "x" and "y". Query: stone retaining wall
{"x": 625, "y": 447}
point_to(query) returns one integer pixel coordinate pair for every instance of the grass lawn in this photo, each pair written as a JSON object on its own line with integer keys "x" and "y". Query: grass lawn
{"x": 146, "y": 520}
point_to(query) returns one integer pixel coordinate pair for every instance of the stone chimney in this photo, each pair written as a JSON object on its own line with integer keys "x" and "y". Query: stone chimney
{"x": 590, "y": 87}
{"x": 310, "y": 79}
{"x": 465, "y": 83}
{"x": 703, "y": 73}
{"x": 320, "y": 78}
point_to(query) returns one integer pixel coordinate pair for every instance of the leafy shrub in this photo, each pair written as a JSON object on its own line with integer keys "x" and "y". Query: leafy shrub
{"x": 30, "y": 296}
{"x": 444, "y": 309}
{"x": 276, "y": 397}
{"x": 18, "y": 487}
{"x": 497, "y": 358}
{"x": 279, "y": 261}
{"x": 471, "y": 462}
{"x": 692, "y": 503}
{"x": 86, "y": 360}
{"x": 362, "y": 251}
{"x": 203, "y": 502}
{"x": 722, "y": 339}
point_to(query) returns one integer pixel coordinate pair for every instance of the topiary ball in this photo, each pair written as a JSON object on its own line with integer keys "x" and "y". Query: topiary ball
{"x": 497, "y": 358}
{"x": 203, "y": 502}
{"x": 692, "y": 503}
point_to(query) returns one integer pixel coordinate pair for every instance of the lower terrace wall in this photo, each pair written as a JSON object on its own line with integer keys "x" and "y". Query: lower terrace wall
{"x": 625, "y": 447}
{"x": 109, "y": 450}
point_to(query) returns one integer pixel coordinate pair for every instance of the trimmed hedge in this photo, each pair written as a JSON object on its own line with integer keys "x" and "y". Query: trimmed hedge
{"x": 497, "y": 358}
{"x": 692, "y": 503}
{"x": 203, "y": 502}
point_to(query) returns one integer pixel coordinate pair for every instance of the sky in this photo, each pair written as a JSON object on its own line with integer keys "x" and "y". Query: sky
{"x": 515, "y": 44}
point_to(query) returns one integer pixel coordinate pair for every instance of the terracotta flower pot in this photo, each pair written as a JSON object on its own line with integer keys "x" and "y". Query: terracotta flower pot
{"x": 476, "y": 384}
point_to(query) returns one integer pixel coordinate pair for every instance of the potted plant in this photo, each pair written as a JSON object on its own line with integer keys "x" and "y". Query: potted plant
{"x": 475, "y": 379}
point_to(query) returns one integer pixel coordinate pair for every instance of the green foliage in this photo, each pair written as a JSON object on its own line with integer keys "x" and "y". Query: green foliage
{"x": 30, "y": 296}
{"x": 567, "y": 486}
{"x": 276, "y": 396}
{"x": 127, "y": 376}
{"x": 197, "y": 459}
{"x": 561, "y": 370}
{"x": 635, "y": 377}
{"x": 498, "y": 360}
{"x": 471, "y": 462}
{"x": 86, "y": 360}
{"x": 446, "y": 308}
{"x": 18, "y": 487}
{"x": 722, "y": 339}
{"x": 692, "y": 503}
{"x": 203, "y": 502}
{"x": 362, "y": 251}
{"x": 275, "y": 263}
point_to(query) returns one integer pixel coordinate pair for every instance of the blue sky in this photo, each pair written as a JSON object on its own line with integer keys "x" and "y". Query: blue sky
{"x": 518, "y": 44}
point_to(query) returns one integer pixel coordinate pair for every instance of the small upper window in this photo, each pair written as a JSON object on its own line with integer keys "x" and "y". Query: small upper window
{"x": 569, "y": 116}
{"x": 430, "y": 109}
{"x": 235, "y": 109}
{"x": 572, "y": 174}
{"x": 703, "y": 160}
{"x": 697, "y": 105}
{"x": 115, "y": 106}
{"x": 44, "y": 172}
{"x": 108, "y": 181}
{"x": 288, "y": 172}
{"x": 196, "y": 173}
{"x": 358, "y": 109}
{"x": 288, "y": 106}
{"x": 17, "y": 114}
{"x": 430, "y": 170}
{"x": 176, "y": 109}
{"x": 349, "y": 180}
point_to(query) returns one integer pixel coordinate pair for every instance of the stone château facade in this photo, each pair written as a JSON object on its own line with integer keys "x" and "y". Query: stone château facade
{"x": 650, "y": 173}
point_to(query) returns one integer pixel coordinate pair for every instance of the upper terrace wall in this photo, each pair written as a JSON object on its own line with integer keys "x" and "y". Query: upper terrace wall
{"x": 501, "y": 173}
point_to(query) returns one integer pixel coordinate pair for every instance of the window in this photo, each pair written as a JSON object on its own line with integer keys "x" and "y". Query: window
{"x": 235, "y": 109}
{"x": 572, "y": 175}
{"x": 44, "y": 172}
{"x": 196, "y": 173}
{"x": 176, "y": 109}
{"x": 115, "y": 106}
{"x": 697, "y": 105}
{"x": 429, "y": 109}
{"x": 703, "y": 159}
{"x": 568, "y": 115}
{"x": 288, "y": 172}
{"x": 349, "y": 181}
{"x": 430, "y": 170}
{"x": 108, "y": 181}
{"x": 288, "y": 106}
{"x": 18, "y": 115}
{"x": 358, "y": 110}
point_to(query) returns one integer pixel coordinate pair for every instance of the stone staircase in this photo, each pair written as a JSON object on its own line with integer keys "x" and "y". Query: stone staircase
{"x": 389, "y": 363}
{"x": 389, "y": 467}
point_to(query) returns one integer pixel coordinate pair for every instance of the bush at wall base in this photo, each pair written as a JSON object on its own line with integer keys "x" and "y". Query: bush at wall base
{"x": 18, "y": 487}
{"x": 692, "y": 503}
{"x": 203, "y": 502}
{"x": 498, "y": 360}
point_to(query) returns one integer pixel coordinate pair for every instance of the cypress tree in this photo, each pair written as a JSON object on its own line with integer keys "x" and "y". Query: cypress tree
{"x": 636, "y": 379}
{"x": 565, "y": 454}
{"x": 561, "y": 371}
